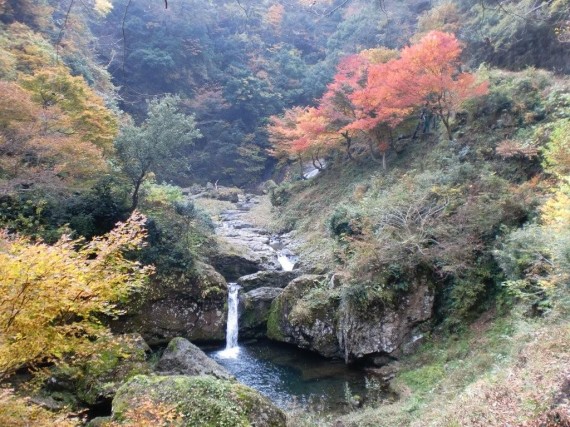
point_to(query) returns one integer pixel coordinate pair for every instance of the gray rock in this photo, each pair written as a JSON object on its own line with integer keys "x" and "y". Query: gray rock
{"x": 183, "y": 357}
{"x": 383, "y": 330}
{"x": 254, "y": 311}
{"x": 306, "y": 318}
{"x": 272, "y": 279}
{"x": 194, "y": 308}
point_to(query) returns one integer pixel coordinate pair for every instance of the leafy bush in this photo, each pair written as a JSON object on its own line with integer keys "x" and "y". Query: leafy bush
{"x": 51, "y": 295}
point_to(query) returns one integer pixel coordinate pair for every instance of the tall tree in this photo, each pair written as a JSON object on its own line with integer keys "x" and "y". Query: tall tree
{"x": 157, "y": 145}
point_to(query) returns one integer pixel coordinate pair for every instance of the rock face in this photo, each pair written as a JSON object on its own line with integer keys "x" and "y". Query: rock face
{"x": 384, "y": 331}
{"x": 272, "y": 279}
{"x": 201, "y": 401}
{"x": 254, "y": 311}
{"x": 304, "y": 315}
{"x": 234, "y": 265}
{"x": 312, "y": 315}
{"x": 193, "y": 307}
{"x": 183, "y": 357}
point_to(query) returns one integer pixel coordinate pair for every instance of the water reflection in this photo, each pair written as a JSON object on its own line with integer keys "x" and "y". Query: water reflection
{"x": 291, "y": 376}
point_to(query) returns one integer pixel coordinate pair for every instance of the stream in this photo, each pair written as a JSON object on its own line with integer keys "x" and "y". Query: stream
{"x": 288, "y": 376}
{"x": 291, "y": 377}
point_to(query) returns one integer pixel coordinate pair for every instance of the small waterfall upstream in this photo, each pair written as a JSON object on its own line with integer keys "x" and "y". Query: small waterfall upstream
{"x": 232, "y": 348}
{"x": 286, "y": 263}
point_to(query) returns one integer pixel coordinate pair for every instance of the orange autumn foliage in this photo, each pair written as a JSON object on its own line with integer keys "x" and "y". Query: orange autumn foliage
{"x": 374, "y": 92}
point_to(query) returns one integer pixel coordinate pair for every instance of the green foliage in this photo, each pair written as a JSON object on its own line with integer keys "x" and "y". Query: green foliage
{"x": 157, "y": 145}
{"x": 345, "y": 222}
{"x": 96, "y": 378}
{"x": 557, "y": 151}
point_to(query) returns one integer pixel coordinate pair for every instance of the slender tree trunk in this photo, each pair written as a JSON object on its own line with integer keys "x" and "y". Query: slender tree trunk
{"x": 135, "y": 196}
{"x": 447, "y": 125}
{"x": 316, "y": 163}
{"x": 348, "y": 140}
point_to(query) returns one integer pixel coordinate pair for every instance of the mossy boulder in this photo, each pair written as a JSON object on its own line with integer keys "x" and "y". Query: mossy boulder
{"x": 304, "y": 314}
{"x": 193, "y": 307}
{"x": 183, "y": 357}
{"x": 254, "y": 311}
{"x": 384, "y": 332}
{"x": 201, "y": 401}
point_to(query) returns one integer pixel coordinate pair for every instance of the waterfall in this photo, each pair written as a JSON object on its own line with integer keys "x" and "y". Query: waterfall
{"x": 286, "y": 263}
{"x": 232, "y": 348}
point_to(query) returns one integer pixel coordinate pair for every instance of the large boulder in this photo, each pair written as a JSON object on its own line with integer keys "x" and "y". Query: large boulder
{"x": 384, "y": 332}
{"x": 305, "y": 315}
{"x": 192, "y": 307}
{"x": 254, "y": 311}
{"x": 316, "y": 315}
{"x": 201, "y": 401}
{"x": 183, "y": 357}
{"x": 271, "y": 279}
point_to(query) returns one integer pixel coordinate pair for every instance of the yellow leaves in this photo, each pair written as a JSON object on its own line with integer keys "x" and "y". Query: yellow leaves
{"x": 55, "y": 133}
{"x": 16, "y": 411}
{"x": 49, "y": 295}
{"x": 556, "y": 211}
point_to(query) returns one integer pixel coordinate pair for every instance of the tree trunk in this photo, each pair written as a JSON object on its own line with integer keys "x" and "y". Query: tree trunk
{"x": 135, "y": 196}
{"x": 348, "y": 140}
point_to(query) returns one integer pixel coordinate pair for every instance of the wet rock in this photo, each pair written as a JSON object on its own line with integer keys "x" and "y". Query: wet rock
{"x": 193, "y": 307}
{"x": 196, "y": 401}
{"x": 304, "y": 315}
{"x": 383, "y": 329}
{"x": 272, "y": 279}
{"x": 254, "y": 311}
{"x": 233, "y": 266}
{"x": 183, "y": 357}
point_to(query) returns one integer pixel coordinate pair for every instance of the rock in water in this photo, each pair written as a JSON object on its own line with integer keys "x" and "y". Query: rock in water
{"x": 254, "y": 311}
{"x": 183, "y": 357}
{"x": 201, "y": 401}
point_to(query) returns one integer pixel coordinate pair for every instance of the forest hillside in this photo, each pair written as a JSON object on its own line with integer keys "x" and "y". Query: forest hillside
{"x": 366, "y": 202}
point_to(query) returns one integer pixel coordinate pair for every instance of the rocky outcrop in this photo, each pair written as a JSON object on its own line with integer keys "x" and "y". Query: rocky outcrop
{"x": 312, "y": 314}
{"x": 234, "y": 265}
{"x": 254, "y": 311}
{"x": 194, "y": 402}
{"x": 271, "y": 279}
{"x": 305, "y": 315}
{"x": 183, "y": 357}
{"x": 384, "y": 330}
{"x": 193, "y": 307}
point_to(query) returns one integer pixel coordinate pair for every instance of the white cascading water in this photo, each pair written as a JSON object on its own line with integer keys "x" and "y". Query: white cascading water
{"x": 286, "y": 263}
{"x": 232, "y": 348}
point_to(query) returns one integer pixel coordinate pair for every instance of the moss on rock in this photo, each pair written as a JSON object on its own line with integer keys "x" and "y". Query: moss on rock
{"x": 198, "y": 401}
